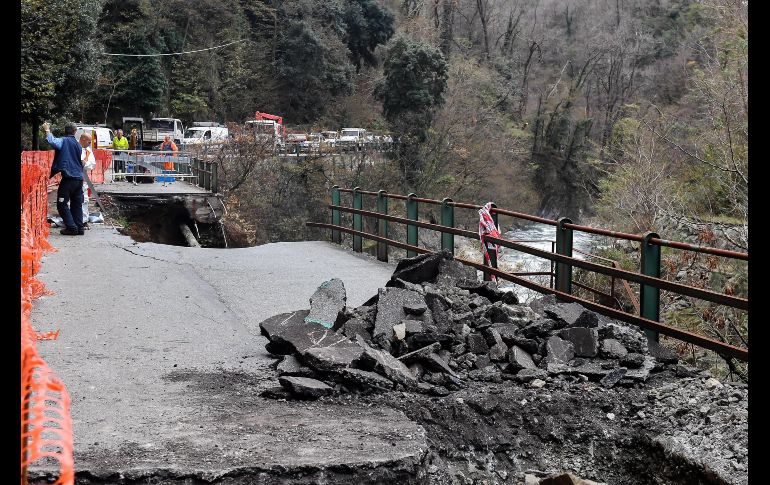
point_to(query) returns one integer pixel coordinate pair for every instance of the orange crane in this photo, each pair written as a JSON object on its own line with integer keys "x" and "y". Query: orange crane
{"x": 267, "y": 116}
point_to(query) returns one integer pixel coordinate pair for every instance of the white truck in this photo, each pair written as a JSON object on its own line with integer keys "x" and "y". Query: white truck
{"x": 352, "y": 138}
{"x": 267, "y": 131}
{"x": 159, "y": 128}
{"x": 205, "y": 133}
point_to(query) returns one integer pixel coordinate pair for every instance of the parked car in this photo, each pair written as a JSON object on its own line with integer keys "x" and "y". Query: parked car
{"x": 330, "y": 138}
{"x": 312, "y": 142}
{"x": 294, "y": 141}
{"x": 352, "y": 138}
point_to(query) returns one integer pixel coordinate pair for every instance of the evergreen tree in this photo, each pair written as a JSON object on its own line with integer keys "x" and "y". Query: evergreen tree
{"x": 413, "y": 87}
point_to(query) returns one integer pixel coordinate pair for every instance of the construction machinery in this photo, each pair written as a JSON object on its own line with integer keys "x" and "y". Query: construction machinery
{"x": 268, "y": 127}
{"x": 160, "y": 128}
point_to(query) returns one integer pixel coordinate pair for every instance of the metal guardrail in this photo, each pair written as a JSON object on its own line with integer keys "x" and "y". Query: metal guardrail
{"x": 186, "y": 166}
{"x": 338, "y": 149}
{"x": 561, "y": 256}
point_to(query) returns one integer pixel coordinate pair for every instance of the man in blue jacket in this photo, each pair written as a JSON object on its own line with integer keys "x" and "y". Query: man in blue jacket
{"x": 67, "y": 160}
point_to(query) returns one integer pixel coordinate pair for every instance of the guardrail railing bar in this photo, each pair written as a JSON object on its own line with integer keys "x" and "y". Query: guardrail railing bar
{"x": 567, "y": 260}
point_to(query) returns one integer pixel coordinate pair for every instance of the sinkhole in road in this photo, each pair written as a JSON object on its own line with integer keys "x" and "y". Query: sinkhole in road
{"x": 165, "y": 224}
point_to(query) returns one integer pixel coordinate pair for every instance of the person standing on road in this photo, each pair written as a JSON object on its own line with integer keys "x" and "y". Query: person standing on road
{"x": 67, "y": 161}
{"x": 168, "y": 146}
{"x": 89, "y": 162}
{"x": 120, "y": 142}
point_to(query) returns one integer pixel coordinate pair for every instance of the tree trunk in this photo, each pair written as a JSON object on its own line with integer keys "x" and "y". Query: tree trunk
{"x": 447, "y": 22}
{"x": 485, "y": 31}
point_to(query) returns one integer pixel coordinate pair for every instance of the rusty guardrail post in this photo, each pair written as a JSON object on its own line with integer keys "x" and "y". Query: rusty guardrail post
{"x": 411, "y": 231}
{"x": 649, "y": 296}
{"x": 382, "y": 225}
{"x": 492, "y": 254}
{"x": 447, "y": 219}
{"x": 564, "y": 247}
{"x": 214, "y": 177}
{"x": 357, "y": 219}
{"x": 336, "y": 235}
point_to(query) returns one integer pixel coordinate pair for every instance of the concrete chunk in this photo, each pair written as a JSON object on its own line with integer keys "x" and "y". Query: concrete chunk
{"x": 612, "y": 349}
{"x": 386, "y": 364}
{"x": 363, "y": 378}
{"x": 390, "y": 312}
{"x": 498, "y": 352}
{"x": 584, "y": 340}
{"x": 332, "y": 358}
{"x": 632, "y": 338}
{"x": 413, "y": 326}
{"x": 476, "y": 343}
{"x": 520, "y": 359}
{"x": 613, "y": 377}
{"x": 632, "y": 360}
{"x": 558, "y": 351}
{"x": 305, "y": 387}
{"x": 399, "y": 331}
{"x": 415, "y": 308}
{"x": 357, "y": 326}
{"x": 572, "y": 315}
{"x": 419, "y": 269}
{"x": 526, "y": 375}
{"x": 289, "y": 333}
{"x": 291, "y": 366}
{"x": 327, "y": 303}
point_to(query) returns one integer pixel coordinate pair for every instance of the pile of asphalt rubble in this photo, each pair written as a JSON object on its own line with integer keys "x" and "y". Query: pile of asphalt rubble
{"x": 435, "y": 330}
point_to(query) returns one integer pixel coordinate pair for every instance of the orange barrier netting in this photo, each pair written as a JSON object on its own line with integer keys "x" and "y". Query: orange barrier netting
{"x": 97, "y": 174}
{"x": 46, "y": 424}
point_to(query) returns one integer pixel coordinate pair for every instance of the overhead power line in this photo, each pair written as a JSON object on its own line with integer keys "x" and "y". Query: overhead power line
{"x": 173, "y": 53}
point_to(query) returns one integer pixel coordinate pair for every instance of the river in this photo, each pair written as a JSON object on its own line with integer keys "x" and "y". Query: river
{"x": 511, "y": 260}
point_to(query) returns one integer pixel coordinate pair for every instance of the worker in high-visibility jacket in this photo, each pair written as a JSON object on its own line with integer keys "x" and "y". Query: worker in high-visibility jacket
{"x": 120, "y": 142}
{"x": 168, "y": 145}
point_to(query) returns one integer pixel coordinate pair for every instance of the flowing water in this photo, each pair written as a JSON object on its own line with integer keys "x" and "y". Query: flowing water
{"x": 538, "y": 236}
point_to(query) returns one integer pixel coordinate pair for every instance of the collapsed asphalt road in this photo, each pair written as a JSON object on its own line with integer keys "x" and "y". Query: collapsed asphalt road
{"x": 171, "y": 383}
{"x": 504, "y": 389}
{"x": 161, "y": 356}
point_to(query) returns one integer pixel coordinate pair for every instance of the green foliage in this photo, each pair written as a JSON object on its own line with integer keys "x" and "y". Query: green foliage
{"x": 59, "y": 59}
{"x": 415, "y": 78}
{"x": 367, "y": 26}
{"x": 414, "y": 82}
{"x": 310, "y": 73}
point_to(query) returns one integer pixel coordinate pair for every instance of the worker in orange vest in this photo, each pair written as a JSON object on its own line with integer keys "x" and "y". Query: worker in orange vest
{"x": 168, "y": 146}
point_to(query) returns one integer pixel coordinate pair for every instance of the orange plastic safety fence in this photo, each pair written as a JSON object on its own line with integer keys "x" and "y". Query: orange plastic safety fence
{"x": 46, "y": 424}
{"x": 97, "y": 174}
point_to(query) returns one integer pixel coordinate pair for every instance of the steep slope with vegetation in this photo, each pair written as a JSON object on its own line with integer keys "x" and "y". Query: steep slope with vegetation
{"x": 633, "y": 111}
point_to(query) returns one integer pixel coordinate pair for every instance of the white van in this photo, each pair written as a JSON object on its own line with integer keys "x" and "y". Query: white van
{"x": 198, "y": 135}
{"x": 101, "y": 136}
{"x": 352, "y": 137}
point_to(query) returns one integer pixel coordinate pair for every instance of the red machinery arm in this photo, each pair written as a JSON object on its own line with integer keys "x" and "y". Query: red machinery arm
{"x": 268, "y": 116}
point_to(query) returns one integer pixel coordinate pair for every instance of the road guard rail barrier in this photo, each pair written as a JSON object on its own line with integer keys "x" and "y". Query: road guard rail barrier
{"x": 46, "y": 425}
{"x": 192, "y": 167}
{"x": 647, "y": 307}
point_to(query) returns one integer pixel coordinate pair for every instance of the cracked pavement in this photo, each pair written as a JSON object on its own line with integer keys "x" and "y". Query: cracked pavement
{"x": 161, "y": 353}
